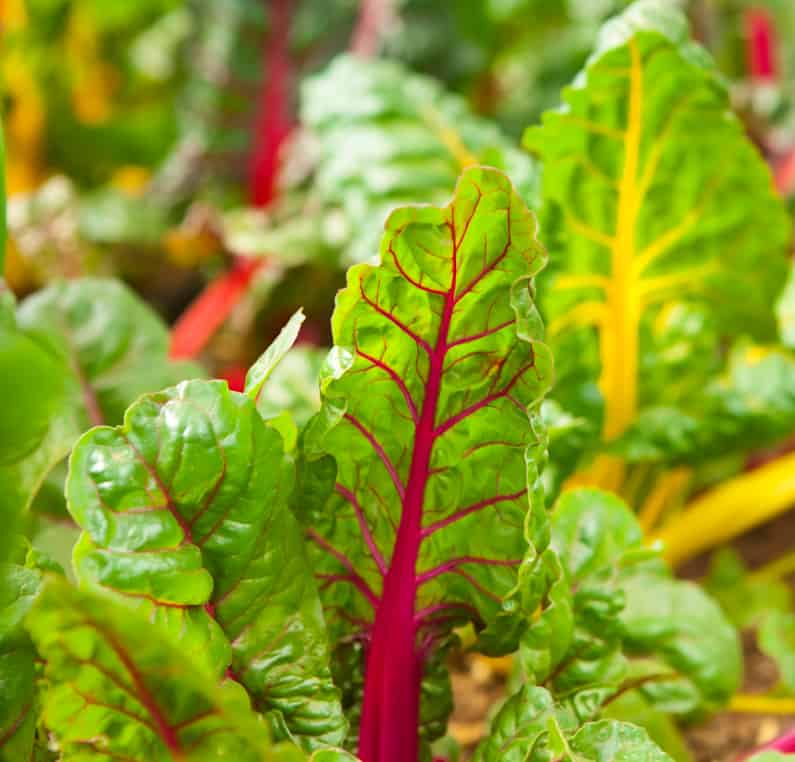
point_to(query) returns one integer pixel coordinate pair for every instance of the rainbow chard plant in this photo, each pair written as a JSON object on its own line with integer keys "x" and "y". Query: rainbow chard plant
{"x": 253, "y": 585}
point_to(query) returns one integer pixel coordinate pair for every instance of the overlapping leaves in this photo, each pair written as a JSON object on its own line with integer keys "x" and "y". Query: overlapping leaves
{"x": 184, "y": 511}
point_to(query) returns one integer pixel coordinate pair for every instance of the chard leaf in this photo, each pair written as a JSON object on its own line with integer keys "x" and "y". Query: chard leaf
{"x": 112, "y": 693}
{"x": 20, "y": 581}
{"x": 92, "y": 347}
{"x": 750, "y": 405}
{"x": 259, "y": 373}
{"x": 429, "y": 407}
{"x": 521, "y": 723}
{"x": 397, "y": 137}
{"x": 612, "y": 741}
{"x": 184, "y": 511}
{"x": 777, "y": 640}
{"x": 530, "y": 727}
{"x": 684, "y": 654}
{"x": 745, "y": 598}
{"x": 653, "y": 192}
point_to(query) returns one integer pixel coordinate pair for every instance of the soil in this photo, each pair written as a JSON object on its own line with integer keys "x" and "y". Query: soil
{"x": 479, "y": 683}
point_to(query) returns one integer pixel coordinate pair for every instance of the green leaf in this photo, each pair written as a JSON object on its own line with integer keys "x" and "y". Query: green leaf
{"x": 397, "y": 137}
{"x": 518, "y": 727}
{"x": 749, "y": 406}
{"x": 769, "y": 756}
{"x": 184, "y": 510}
{"x": 90, "y": 347}
{"x": 20, "y": 581}
{"x": 785, "y": 312}
{"x": 263, "y": 368}
{"x": 692, "y": 646}
{"x": 613, "y": 741}
{"x": 632, "y": 707}
{"x": 430, "y": 403}
{"x": 745, "y": 599}
{"x": 653, "y": 193}
{"x": 113, "y": 693}
{"x": 777, "y": 639}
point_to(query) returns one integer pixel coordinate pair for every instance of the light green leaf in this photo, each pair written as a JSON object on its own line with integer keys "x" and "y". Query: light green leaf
{"x": 777, "y": 640}
{"x": 263, "y": 368}
{"x": 653, "y": 194}
{"x": 91, "y": 347}
{"x": 613, "y": 741}
{"x": 184, "y": 510}
{"x": 113, "y": 693}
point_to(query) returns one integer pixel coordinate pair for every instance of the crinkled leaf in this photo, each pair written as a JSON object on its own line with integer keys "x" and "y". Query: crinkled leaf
{"x": 684, "y": 633}
{"x": 749, "y": 406}
{"x": 184, "y": 510}
{"x": 653, "y": 192}
{"x": 425, "y": 409}
{"x": 612, "y": 741}
{"x": 745, "y": 598}
{"x": 20, "y": 582}
{"x": 112, "y": 693}
{"x": 632, "y": 707}
{"x": 397, "y": 137}
{"x": 518, "y": 727}
{"x": 777, "y": 640}
{"x": 99, "y": 346}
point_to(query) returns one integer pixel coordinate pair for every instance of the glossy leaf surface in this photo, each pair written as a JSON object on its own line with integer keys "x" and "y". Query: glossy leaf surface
{"x": 184, "y": 510}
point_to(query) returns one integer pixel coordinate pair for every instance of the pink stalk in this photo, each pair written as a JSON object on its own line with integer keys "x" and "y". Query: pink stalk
{"x": 760, "y": 38}
{"x": 390, "y": 712}
{"x": 199, "y": 323}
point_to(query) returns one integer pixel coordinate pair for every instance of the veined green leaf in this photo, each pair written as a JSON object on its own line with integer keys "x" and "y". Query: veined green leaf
{"x": 112, "y": 693}
{"x": 612, "y": 741}
{"x": 184, "y": 510}
{"x": 653, "y": 193}
{"x": 429, "y": 402}
{"x": 397, "y": 137}
{"x": 98, "y": 347}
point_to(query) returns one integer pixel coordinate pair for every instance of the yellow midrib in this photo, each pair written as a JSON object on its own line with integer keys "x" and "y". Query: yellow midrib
{"x": 619, "y": 335}
{"x": 618, "y": 329}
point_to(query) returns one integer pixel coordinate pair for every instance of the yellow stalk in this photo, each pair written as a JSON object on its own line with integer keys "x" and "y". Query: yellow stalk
{"x": 751, "y": 703}
{"x": 619, "y": 335}
{"x": 729, "y": 509}
{"x": 665, "y": 491}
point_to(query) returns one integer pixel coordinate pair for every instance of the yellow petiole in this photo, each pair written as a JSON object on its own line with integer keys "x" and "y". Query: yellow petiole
{"x": 729, "y": 509}
{"x": 752, "y": 703}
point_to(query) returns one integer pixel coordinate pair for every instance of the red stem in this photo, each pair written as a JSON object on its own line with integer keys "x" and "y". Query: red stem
{"x": 212, "y": 307}
{"x": 760, "y": 41}
{"x": 390, "y": 712}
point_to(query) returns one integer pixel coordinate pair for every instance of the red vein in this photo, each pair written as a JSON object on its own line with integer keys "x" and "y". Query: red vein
{"x": 15, "y": 725}
{"x": 480, "y": 404}
{"x": 474, "y": 508}
{"x": 482, "y": 334}
{"x": 396, "y": 378}
{"x": 422, "y": 615}
{"x": 379, "y": 450}
{"x": 418, "y": 340}
{"x": 353, "y": 576}
{"x": 365, "y": 529}
{"x": 415, "y": 283}
{"x": 165, "y": 730}
{"x": 486, "y": 270}
{"x": 454, "y": 563}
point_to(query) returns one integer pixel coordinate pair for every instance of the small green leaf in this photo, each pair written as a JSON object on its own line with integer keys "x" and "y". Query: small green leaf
{"x": 613, "y": 741}
{"x": 518, "y": 727}
{"x": 261, "y": 370}
{"x": 112, "y": 693}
